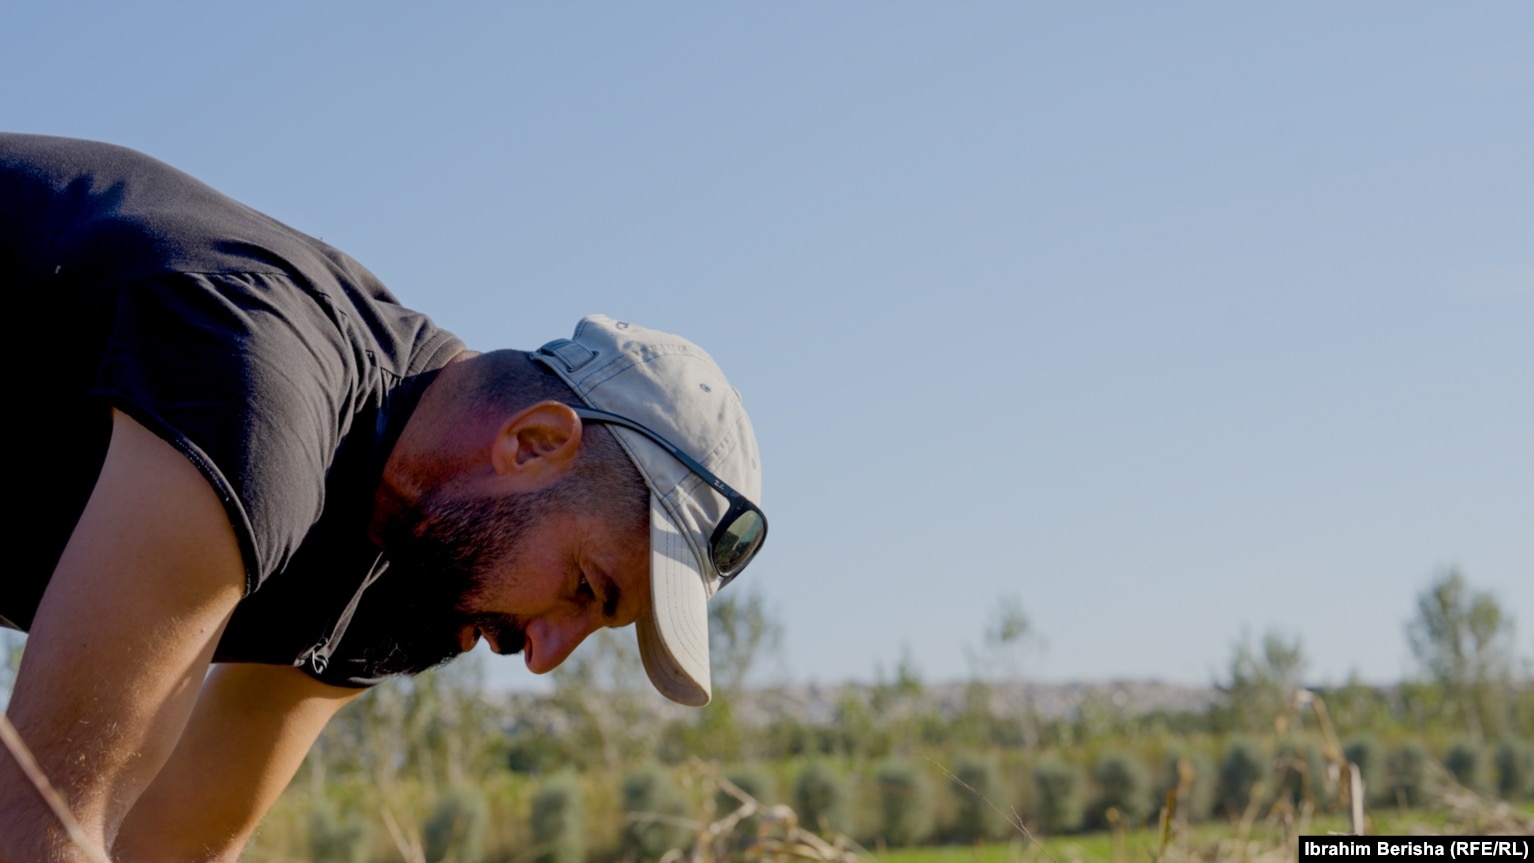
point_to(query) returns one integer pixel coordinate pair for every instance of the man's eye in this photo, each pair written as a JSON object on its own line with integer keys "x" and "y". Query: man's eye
{"x": 585, "y": 589}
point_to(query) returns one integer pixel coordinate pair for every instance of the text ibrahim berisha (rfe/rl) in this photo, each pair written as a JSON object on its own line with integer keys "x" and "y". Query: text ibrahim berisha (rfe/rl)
{"x": 1459, "y": 848}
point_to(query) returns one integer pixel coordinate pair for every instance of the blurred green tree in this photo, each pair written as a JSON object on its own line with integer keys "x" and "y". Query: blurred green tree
{"x": 1464, "y": 642}
{"x": 822, "y": 798}
{"x": 557, "y": 816}
{"x": 1123, "y": 784}
{"x": 1470, "y": 765}
{"x": 906, "y": 811}
{"x": 1366, "y": 753}
{"x": 436, "y": 727}
{"x": 1058, "y": 806}
{"x": 1262, "y": 680}
{"x": 978, "y": 800}
{"x": 1008, "y": 640}
{"x": 655, "y": 812}
{"x": 455, "y": 832}
{"x": 604, "y": 697}
{"x": 1514, "y": 761}
{"x": 899, "y": 699}
{"x": 741, "y": 631}
{"x": 1409, "y": 774}
{"x": 336, "y": 836}
{"x": 1240, "y": 776}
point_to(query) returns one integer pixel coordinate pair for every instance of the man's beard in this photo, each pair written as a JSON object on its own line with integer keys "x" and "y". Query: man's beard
{"x": 442, "y": 553}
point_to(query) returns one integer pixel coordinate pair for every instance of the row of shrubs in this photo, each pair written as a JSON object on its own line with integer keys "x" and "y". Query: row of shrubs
{"x": 1061, "y": 796}
{"x": 899, "y": 802}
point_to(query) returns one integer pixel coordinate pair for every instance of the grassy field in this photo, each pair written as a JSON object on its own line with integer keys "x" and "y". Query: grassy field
{"x": 1206, "y": 842}
{"x": 345, "y": 822}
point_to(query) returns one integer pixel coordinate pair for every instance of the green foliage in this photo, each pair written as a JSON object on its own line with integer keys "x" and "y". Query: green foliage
{"x": 1515, "y": 769}
{"x": 1009, "y": 638}
{"x": 974, "y": 725}
{"x": 599, "y": 696}
{"x": 1466, "y": 761}
{"x": 337, "y": 837}
{"x": 558, "y": 821}
{"x": 1057, "y": 804}
{"x": 1242, "y": 768}
{"x": 711, "y": 734}
{"x": 1261, "y": 681}
{"x": 1366, "y": 753}
{"x": 1194, "y": 776}
{"x": 650, "y": 802}
{"x": 1356, "y": 705}
{"x": 864, "y": 735}
{"x": 1409, "y": 774}
{"x": 741, "y": 630}
{"x": 435, "y": 727}
{"x": 975, "y": 808}
{"x": 752, "y": 779}
{"x": 456, "y": 829}
{"x": 1463, "y": 641}
{"x": 436, "y": 731}
{"x": 788, "y": 737}
{"x": 898, "y": 699}
{"x": 1122, "y": 784}
{"x": 536, "y": 751}
{"x": 906, "y": 812}
{"x": 1300, "y": 775}
{"x": 822, "y": 798}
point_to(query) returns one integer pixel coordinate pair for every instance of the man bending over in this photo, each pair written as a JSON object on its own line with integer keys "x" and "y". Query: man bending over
{"x": 239, "y": 451}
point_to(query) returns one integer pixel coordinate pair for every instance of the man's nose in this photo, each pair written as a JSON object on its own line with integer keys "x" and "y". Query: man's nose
{"x": 552, "y": 641}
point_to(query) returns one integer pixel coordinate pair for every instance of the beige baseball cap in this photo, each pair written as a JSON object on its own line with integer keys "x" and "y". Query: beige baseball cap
{"x": 675, "y": 389}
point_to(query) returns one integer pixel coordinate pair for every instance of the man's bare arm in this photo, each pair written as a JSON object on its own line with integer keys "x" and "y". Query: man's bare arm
{"x": 120, "y": 644}
{"x": 248, "y": 734}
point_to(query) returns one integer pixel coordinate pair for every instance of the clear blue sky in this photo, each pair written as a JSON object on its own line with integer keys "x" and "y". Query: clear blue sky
{"x": 1171, "y": 319}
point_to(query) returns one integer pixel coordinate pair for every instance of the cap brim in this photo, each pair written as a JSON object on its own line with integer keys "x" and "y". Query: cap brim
{"x": 673, "y": 637}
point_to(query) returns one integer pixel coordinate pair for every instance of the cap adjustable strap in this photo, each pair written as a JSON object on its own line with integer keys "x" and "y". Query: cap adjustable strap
{"x": 572, "y": 355}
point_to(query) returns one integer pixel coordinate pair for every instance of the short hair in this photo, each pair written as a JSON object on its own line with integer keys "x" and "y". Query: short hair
{"x": 603, "y": 478}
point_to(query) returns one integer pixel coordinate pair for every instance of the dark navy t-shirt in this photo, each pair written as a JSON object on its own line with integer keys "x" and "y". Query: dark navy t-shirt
{"x": 279, "y": 366}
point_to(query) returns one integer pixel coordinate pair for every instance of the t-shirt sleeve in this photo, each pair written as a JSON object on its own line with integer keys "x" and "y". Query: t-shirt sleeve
{"x": 248, "y": 376}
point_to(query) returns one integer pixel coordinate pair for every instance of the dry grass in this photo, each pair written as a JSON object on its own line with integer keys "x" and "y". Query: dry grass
{"x": 751, "y": 831}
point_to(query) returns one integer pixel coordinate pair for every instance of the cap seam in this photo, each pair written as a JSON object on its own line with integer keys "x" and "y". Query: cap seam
{"x": 606, "y": 372}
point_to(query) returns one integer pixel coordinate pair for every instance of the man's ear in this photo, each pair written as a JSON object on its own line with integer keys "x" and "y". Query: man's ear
{"x": 536, "y": 446}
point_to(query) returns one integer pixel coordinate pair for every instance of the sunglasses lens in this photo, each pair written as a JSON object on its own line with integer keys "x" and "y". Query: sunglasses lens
{"x": 738, "y": 541}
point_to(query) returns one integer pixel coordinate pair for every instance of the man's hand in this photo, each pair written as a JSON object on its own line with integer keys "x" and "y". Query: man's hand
{"x": 120, "y": 643}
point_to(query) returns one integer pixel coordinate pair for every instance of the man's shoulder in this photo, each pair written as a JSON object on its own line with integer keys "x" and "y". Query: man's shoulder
{"x": 88, "y": 204}
{"x": 88, "y": 212}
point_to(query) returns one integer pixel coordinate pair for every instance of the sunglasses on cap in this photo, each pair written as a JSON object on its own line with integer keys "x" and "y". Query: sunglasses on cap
{"x": 739, "y": 535}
